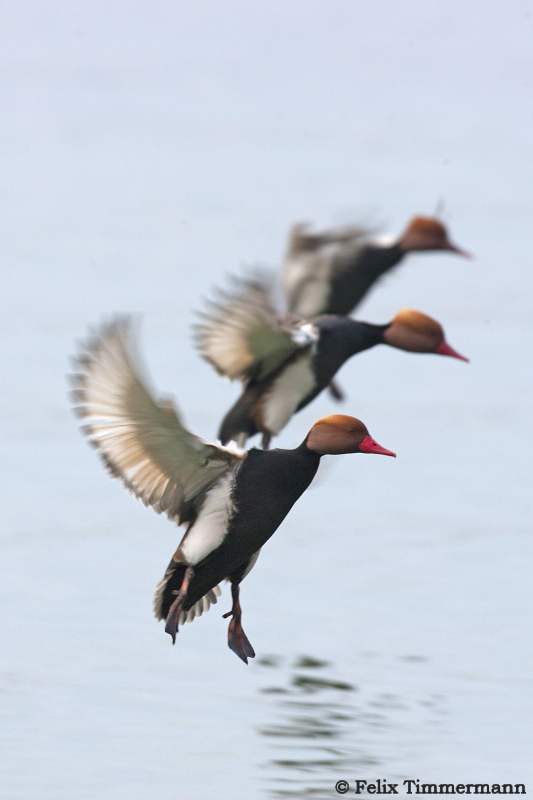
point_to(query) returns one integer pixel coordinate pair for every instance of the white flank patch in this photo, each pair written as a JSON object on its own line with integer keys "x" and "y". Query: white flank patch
{"x": 287, "y": 391}
{"x": 233, "y": 447}
{"x": 384, "y": 240}
{"x": 305, "y": 334}
{"x": 210, "y": 528}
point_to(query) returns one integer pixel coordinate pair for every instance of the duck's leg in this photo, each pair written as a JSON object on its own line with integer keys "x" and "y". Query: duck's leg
{"x": 265, "y": 441}
{"x": 336, "y": 391}
{"x": 237, "y": 639}
{"x": 175, "y": 609}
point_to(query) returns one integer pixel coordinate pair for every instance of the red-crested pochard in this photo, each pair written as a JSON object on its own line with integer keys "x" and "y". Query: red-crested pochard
{"x": 231, "y": 502}
{"x": 331, "y": 271}
{"x": 285, "y": 362}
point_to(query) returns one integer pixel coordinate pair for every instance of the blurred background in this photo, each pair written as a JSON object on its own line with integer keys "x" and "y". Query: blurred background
{"x": 148, "y": 149}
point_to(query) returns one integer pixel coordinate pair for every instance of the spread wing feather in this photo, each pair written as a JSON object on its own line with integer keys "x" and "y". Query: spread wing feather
{"x": 244, "y": 338}
{"x": 314, "y": 260}
{"x": 141, "y": 442}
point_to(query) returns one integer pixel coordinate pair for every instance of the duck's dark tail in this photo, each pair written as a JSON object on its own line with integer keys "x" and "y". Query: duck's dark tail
{"x": 239, "y": 424}
{"x": 165, "y": 594}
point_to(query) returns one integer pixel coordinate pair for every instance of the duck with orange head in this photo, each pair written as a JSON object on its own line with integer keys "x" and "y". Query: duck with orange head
{"x": 330, "y": 272}
{"x": 230, "y": 501}
{"x": 285, "y": 362}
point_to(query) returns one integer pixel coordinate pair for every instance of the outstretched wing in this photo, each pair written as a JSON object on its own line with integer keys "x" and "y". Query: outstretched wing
{"x": 243, "y": 337}
{"x": 142, "y": 443}
{"x": 313, "y": 262}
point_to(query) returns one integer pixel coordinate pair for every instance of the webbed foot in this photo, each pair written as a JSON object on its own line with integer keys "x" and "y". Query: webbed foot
{"x": 237, "y": 639}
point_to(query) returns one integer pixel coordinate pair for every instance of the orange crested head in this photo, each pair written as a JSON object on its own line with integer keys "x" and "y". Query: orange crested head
{"x": 416, "y": 332}
{"x": 339, "y": 434}
{"x": 428, "y": 233}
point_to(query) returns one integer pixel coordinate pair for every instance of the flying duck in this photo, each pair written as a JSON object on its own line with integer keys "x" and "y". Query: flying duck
{"x": 330, "y": 272}
{"x": 231, "y": 501}
{"x": 285, "y": 362}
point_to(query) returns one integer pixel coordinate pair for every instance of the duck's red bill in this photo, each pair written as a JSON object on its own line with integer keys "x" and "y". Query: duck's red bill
{"x": 369, "y": 445}
{"x": 444, "y": 349}
{"x": 454, "y": 249}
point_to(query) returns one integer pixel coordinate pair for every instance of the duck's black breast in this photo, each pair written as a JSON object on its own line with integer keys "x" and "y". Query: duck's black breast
{"x": 267, "y": 485}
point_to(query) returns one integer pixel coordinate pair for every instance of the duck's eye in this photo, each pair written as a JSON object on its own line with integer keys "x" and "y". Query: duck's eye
{"x": 350, "y": 430}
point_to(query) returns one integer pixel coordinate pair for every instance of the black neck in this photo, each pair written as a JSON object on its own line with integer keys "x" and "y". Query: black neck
{"x": 340, "y": 338}
{"x": 377, "y": 259}
{"x": 343, "y": 337}
{"x": 363, "y": 335}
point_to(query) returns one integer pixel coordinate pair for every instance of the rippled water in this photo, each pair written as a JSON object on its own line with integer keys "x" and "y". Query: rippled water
{"x": 146, "y": 150}
{"x": 316, "y": 731}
